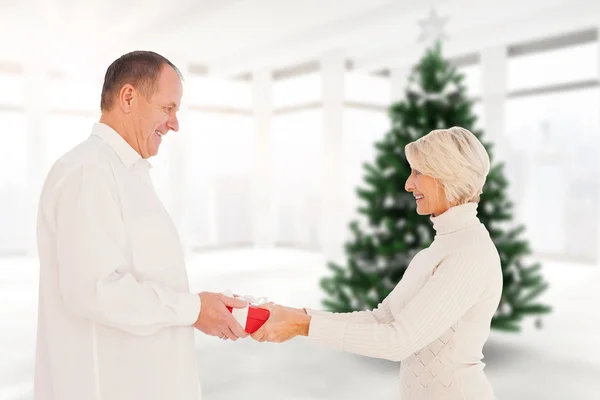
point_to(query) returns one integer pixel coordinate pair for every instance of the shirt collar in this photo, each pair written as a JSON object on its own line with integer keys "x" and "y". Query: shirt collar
{"x": 123, "y": 150}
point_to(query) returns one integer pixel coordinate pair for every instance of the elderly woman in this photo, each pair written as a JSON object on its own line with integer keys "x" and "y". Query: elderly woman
{"x": 437, "y": 318}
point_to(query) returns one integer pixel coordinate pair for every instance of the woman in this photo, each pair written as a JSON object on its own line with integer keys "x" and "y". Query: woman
{"x": 437, "y": 319}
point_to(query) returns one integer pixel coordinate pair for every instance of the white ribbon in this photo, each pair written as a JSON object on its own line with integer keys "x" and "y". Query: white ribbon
{"x": 255, "y": 301}
{"x": 241, "y": 314}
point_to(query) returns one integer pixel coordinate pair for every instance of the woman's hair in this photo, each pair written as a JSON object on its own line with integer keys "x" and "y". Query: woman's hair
{"x": 456, "y": 158}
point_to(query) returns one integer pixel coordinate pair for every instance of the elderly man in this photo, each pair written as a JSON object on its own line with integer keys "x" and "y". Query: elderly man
{"x": 116, "y": 315}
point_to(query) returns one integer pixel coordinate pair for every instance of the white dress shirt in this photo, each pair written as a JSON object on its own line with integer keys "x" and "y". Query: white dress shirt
{"x": 115, "y": 310}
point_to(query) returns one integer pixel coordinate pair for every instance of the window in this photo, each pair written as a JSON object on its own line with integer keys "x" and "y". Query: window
{"x": 73, "y": 95}
{"x": 74, "y": 106}
{"x": 362, "y": 129}
{"x": 365, "y": 88}
{"x": 64, "y": 131}
{"x": 301, "y": 89}
{"x": 472, "y": 79}
{"x": 217, "y": 92}
{"x": 12, "y": 89}
{"x": 551, "y": 67}
{"x": 220, "y": 155}
{"x": 297, "y": 148}
{"x": 556, "y": 139}
{"x": 15, "y": 221}
{"x": 478, "y": 110}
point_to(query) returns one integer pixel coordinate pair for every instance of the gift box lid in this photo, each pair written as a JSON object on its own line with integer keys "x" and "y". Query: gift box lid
{"x": 255, "y": 312}
{"x": 260, "y": 314}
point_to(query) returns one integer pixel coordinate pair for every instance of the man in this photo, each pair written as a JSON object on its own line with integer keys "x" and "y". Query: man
{"x": 116, "y": 315}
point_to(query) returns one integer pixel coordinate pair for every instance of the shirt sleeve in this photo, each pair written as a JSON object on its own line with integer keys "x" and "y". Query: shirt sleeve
{"x": 452, "y": 290}
{"x": 380, "y": 315}
{"x": 94, "y": 274}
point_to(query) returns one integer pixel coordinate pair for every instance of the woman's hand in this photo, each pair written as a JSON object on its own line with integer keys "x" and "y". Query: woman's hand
{"x": 296, "y": 310}
{"x": 283, "y": 324}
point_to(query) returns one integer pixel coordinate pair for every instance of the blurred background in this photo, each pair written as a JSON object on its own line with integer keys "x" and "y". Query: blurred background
{"x": 283, "y": 101}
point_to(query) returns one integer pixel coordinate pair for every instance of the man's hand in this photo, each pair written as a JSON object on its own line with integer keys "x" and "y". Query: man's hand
{"x": 216, "y": 320}
{"x": 283, "y": 324}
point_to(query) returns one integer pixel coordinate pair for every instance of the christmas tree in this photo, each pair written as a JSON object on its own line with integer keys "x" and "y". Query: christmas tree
{"x": 392, "y": 232}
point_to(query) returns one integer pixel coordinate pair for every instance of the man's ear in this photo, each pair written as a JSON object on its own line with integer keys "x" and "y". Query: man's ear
{"x": 127, "y": 97}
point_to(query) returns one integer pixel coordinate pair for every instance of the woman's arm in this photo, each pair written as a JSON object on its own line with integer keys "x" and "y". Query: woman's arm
{"x": 452, "y": 290}
{"x": 285, "y": 323}
{"x": 380, "y": 315}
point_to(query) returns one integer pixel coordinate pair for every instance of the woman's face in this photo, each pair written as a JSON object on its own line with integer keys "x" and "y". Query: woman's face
{"x": 429, "y": 193}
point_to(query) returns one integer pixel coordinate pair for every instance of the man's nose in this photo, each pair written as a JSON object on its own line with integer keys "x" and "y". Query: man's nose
{"x": 173, "y": 124}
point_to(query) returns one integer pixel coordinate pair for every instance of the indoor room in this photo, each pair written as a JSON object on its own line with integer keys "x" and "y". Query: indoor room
{"x": 286, "y": 112}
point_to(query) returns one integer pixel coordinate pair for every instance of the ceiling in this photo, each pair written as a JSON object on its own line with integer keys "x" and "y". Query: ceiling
{"x": 236, "y": 36}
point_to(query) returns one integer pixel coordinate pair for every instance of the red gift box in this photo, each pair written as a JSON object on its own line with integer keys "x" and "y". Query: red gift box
{"x": 251, "y": 317}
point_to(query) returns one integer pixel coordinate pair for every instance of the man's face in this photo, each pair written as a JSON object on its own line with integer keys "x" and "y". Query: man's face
{"x": 155, "y": 117}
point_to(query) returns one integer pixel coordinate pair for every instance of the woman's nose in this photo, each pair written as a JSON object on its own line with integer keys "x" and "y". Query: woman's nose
{"x": 408, "y": 186}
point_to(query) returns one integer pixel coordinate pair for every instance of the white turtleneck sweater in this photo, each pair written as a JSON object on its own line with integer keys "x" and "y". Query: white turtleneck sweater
{"x": 436, "y": 320}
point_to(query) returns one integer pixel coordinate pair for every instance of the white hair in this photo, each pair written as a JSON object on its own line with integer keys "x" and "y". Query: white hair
{"x": 456, "y": 158}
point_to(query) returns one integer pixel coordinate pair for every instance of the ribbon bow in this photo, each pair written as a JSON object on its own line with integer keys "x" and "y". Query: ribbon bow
{"x": 255, "y": 301}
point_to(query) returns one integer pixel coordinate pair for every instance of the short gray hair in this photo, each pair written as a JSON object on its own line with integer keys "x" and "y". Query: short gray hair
{"x": 138, "y": 68}
{"x": 456, "y": 158}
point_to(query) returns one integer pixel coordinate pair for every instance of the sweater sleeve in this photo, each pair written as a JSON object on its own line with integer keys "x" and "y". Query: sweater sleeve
{"x": 380, "y": 315}
{"x": 454, "y": 288}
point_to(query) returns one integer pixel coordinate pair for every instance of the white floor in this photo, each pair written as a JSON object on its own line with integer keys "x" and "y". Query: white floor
{"x": 559, "y": 362}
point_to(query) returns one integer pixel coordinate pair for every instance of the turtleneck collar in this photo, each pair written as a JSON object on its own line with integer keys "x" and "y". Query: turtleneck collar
{"x": 456, "y": 218}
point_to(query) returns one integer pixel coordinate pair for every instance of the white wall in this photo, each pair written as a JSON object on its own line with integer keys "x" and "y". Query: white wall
{"x": 549, "y": 138}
